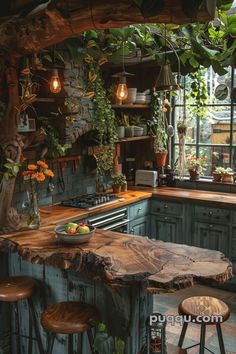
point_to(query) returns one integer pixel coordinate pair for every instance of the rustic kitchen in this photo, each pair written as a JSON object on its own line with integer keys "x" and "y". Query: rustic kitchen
{"x": 117, "y": 177}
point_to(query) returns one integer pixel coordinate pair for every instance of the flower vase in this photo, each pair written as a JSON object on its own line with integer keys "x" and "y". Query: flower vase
{"x": 34, "y": 219}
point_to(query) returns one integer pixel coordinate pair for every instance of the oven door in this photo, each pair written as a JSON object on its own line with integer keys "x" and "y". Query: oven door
{"x": 114, "y": 221}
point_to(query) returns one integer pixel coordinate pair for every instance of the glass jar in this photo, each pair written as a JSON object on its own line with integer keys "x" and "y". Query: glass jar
{"x": 33, "y": 220}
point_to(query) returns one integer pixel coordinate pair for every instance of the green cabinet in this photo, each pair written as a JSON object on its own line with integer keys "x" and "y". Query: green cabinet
{"x": 167, "y": 220}
{"x": 212, "y": 236}
{"x": 139, "y": 218}
{"x": 167, "y": 228}
{"x": 140, "y": 226}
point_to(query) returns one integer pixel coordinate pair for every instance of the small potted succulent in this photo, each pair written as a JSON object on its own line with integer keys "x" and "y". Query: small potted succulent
{"x": 227, "y": 175}
{"x": 195, "y": 166}
{"x": 117, "y": 182}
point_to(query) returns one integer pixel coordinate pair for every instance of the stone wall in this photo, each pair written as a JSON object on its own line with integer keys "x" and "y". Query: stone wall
{"x": 79, "y": 117}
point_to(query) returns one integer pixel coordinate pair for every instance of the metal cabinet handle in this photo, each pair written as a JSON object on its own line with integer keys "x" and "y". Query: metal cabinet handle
{"x": 139, "y": 209}
{"x": 165, "y": 218}
{"x": 211, "y": 226}
{"x": 210, "y": 213}
{"x": 165, "y": 206}
{"x": 132, "y": 231}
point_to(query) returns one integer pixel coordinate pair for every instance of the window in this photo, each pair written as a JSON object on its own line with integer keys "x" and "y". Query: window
{"x": 211, "y": 132}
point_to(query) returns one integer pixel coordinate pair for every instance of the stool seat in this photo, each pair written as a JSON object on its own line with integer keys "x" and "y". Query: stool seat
{"x": 16, "y": 288}
{"x": 204, "y": 306}
{"x": 69, "y": 317}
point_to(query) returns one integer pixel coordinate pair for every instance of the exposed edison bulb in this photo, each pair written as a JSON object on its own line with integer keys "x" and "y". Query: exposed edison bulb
{"x": 55, "y": 83}
{"x": 122, "y": 92}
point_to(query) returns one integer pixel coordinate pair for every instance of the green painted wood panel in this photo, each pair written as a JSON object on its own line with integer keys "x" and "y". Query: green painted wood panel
{"x": 140, "y": 226}
{"x": 167, "y": 228}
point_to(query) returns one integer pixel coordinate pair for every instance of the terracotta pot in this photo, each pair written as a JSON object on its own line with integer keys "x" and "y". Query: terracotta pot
{"x": 116, "y": 188}
{"x": 194, "y": 175}
{"x": 160, "y": 158}
{"x": 216, "y": 177}
{"x": 228, "y": 178}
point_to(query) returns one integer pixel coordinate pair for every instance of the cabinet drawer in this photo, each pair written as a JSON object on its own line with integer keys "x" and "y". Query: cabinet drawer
{"x": 138, "y": 210}
{"x": 216, "y": 214}
{"x": 166, "y": 207}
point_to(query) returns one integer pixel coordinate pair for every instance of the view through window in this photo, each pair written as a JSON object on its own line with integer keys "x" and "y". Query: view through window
{"x": 211, "y": 129}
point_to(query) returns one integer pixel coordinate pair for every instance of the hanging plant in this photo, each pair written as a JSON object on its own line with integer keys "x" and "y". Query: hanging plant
{"x": 104, "y": 116}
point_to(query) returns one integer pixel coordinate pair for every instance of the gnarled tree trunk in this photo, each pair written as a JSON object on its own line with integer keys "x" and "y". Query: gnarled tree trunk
{"x": 11, "y": 147}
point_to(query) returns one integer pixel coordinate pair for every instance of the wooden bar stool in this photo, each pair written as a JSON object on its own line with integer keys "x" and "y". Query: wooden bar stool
{"x": 69, "y": 318}
{"x": 204, "y": 310}
{"x": 14, "y": 289}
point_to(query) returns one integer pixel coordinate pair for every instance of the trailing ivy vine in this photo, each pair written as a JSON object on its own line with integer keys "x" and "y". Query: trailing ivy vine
{"x": 104, "y": 118}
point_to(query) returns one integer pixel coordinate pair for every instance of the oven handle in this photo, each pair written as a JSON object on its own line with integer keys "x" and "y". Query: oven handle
{"x": 105, "y": 221}
{"x": 110, "y": 227}
{"x": 114, "y": 213}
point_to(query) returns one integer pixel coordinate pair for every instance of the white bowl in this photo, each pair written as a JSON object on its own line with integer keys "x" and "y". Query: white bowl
{"x": 138, "y": 131}
{"x": 140, "y": 101}
{"x": 76, "y": 238}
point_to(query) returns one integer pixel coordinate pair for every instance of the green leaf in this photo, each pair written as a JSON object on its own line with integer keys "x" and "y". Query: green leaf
{"x": 194, "y": 62}
{"x": 218, "y": 68}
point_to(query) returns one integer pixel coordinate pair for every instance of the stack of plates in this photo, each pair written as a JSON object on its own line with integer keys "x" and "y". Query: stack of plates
{"x": 140, "y": 98}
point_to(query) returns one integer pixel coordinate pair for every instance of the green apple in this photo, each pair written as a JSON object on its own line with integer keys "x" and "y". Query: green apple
{"x": 71, "y": 226}
{"x": 83, "y": 228}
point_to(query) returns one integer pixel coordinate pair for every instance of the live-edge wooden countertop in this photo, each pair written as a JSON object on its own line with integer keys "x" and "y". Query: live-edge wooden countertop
{"x": 123, "y": 260}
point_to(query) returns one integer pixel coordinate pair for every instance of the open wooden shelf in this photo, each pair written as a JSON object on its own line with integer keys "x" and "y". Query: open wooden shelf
{"x": 133, "y": 138}
{"x": 130, "y": 106}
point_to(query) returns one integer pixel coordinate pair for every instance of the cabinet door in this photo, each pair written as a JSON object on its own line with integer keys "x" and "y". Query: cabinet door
{"x": 233, "y": 249}
{"x": 167, "y": 228}
{"x": 140, "y": 227}
{"x": 211, "y": 236}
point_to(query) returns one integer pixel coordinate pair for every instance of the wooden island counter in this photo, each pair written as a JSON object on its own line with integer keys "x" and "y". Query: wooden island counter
{"x": 117, "y": 273}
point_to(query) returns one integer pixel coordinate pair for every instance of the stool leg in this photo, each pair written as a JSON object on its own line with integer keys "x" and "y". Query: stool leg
{"x": 50, "y": 343}
{"x": 30, "y": 342}
{"x": 91, "y": 340}
{"x": 182, "y": 335}
{"x": 70, "y": 343}
{"x": 80, "y": 343}
{"x": 36, "y": 328}
{"x": 220, "y": 338}
{"x": 16, "y": 315}
{"x": 202, "y": 339}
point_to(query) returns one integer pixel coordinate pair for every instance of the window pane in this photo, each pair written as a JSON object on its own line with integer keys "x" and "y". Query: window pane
{"x": 215, "y": 156}
{"x": 215, "y": 127}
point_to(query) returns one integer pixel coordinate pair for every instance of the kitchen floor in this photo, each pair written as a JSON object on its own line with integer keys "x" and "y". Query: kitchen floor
{"x": 168, "y": 304}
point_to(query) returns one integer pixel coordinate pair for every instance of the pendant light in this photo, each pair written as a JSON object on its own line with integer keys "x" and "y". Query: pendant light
{"x": 55, "y": 82}
{"x": 122, "y": 91}
{"x": 165, "y": 80}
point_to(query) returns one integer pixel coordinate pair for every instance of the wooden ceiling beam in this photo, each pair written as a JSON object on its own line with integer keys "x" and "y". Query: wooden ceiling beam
{"x": 52, "y": 25}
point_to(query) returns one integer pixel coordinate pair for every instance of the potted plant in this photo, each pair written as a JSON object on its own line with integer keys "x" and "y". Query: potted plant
{"x": 117, "y": 181}
{"x": 227, "y": 175}
{"x": 217, "y": 174}
{"x": 195, "y": 166}
{"x": 157, "y": 129}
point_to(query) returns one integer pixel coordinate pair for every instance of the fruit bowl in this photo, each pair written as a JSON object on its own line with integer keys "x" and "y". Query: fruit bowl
{"x": 75, "y": 238}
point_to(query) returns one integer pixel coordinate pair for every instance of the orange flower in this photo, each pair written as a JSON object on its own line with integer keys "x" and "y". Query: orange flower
{"x": 164, "y": 109}
{"x": 39, "y": 176}
{"x": 48, "y": 173}
{"x": 32, "y": 167}
{"x": 42, "y": 164}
